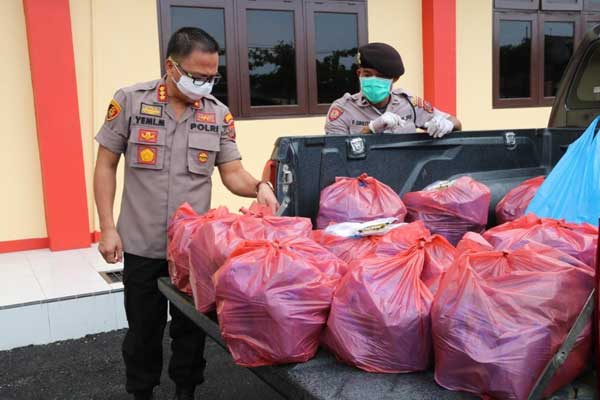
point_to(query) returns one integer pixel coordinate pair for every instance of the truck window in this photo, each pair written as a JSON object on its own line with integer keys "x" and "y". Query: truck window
{"x": 585, "y": 91}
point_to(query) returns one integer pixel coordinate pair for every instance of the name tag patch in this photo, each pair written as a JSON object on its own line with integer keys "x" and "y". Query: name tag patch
{"x": 360, "y": 123}
{"x": 149, "y": 121}
{"x": 151, "y": 109}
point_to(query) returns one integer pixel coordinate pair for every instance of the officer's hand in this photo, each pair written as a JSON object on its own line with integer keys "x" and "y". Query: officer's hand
{"x": 266, "y": 196}
{"x": 110, "y": 246}
{"x": 439, "y": 126}
{"x": 386, "y": 123}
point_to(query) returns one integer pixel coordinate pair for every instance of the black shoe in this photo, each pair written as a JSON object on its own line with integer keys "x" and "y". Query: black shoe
{"x": 145, "y": 395}
{"x": 185, "y": 393}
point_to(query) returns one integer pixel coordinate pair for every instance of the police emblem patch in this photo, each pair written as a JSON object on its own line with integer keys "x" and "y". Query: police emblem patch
{"x": 208, "y": 118}
{"x": 152, "y": 110}
{"x": 114, "y": 109}
{"x": 146, "y": 155}
{"x": 334, "y": 113}
{"x": 148, "y": 135}
{"x": 202, "y": 157}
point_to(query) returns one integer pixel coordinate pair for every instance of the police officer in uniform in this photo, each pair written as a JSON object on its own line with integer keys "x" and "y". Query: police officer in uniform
{"x": 379, "y": 108}
{"x": 172, "y": 133}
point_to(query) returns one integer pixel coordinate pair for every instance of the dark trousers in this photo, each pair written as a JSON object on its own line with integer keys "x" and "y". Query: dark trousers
{"x": 146, "y": 310}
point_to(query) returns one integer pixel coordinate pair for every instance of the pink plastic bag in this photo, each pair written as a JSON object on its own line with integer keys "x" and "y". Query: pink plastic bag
{"x": 273, "y": 299}
{"x": 213, "y": 242}
{"x": 514, "y": 204}
{"x": 181, "y": 227}
{"x": 499, "y": 317}
{"x": 451, "y": 209}
{"x": 379, "y": 319}
{"x": 577, "y": 240}
{"x": 358, "y": 200}
{"x": 356, "y": 248}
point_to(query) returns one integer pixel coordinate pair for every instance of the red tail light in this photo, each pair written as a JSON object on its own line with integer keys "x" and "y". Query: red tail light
{"x": 270, "y": 173}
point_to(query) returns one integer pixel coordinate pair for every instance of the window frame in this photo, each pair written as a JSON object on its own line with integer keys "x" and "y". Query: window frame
{"x": 531, "y": 101}
{"x": 228, "y": 14}
{"x": 517, "y": 5}
{"x": 587, "y": 18}
{"x": 553, "y": 17}
{"x": 548, "y": 6}
{"x": 589, "y": 6}
{"x": 311, "y": 8}
{"x": 238, "y": 90}
{"x": 301, "y": 93}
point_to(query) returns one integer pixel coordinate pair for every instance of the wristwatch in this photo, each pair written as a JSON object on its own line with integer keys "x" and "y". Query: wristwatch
{"x": 266, "y": 183}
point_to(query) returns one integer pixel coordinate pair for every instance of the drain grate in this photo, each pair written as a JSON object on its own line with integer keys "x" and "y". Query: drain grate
{"x": 115, "y": 276}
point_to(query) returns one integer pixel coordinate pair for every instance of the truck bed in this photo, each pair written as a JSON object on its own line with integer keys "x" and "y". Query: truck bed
{"x": 500, "y": 159}
{"x": 323, "y": 378}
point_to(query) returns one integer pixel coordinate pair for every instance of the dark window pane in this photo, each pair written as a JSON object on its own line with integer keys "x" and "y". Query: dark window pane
{"x": 271, "y": 58}
{"x": 336, "y": 44}
{"x": 588, "y": 81}
{"x": 515, "y": 59}
{"x": 212, "y": 20}
{"x": 559, "y": 39}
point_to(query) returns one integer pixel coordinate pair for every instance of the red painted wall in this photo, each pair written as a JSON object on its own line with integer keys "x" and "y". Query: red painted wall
{"x": 439, "y": 53}
{"x": 50, "y": 43}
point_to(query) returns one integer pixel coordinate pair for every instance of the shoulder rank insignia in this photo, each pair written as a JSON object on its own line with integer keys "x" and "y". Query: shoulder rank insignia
{"x": 161, "y": 93}
{"x": 334, "y": 113}
{"x": 197, "y": 105}
{"x": 114, "y": 109}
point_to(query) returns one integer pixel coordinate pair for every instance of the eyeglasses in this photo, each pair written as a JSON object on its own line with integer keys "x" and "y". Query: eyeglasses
{"x": 198, "y": 80}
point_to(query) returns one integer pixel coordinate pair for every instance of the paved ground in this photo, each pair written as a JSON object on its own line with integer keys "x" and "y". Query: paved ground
{"x": 92, "y": 368}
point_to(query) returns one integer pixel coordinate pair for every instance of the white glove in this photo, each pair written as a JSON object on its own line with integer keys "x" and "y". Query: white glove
{"x": 439, "y": 126}
{"x": 386, "y": 123}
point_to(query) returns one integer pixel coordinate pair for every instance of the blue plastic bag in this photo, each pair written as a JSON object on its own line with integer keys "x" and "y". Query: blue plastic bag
{"x": 572, "y": 190}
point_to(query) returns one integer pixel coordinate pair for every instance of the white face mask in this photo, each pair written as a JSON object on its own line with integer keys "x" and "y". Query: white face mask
{"x": 190, "y": 90}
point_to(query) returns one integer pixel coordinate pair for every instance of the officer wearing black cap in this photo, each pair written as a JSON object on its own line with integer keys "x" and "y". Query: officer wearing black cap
{"x": 379, "y": 108}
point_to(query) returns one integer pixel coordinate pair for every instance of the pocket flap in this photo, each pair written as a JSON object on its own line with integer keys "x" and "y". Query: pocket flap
{"x": 203, "y": 141}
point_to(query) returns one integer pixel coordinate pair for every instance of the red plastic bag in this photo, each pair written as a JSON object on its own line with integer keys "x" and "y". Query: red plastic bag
{"x": 213, "y": 242}
{"x": 273, "y": 299}
{"x": 379, "y": 319}
{"x": 358, "y": 200}
{"x": 181, "y": 227}
{"x": 451, "y": 209}
{"x": 356, "y": 248}
{"x": 499, "y": 317}
{"x": 514, "y": 204}
{"x": 577, "y": 240}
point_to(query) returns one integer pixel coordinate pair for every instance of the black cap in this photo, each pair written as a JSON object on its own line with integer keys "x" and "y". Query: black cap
{"x": 382, "y": 57}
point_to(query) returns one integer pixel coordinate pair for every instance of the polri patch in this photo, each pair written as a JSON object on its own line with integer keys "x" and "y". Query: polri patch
{"x": 151, "y": 109}
{"x": 334, "y": 113}
{"x": 146, "y": 155}
{"x": 209, "y": 118}
{"x": 148, "y": 135}
{"x": 114, "y": 109}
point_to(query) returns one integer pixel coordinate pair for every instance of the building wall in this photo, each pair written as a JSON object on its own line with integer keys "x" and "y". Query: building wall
{"x": 115, "y": 49}
{"x": 124, "y": 50}
{"x": 474, "y": 29}
{"x": 22, "y": 211}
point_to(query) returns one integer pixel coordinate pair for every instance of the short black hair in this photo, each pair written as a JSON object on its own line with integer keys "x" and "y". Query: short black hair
{"x": 187, "y": 39}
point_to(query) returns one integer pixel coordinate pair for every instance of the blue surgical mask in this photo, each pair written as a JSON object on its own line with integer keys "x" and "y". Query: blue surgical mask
{"x": 375, "y": 89}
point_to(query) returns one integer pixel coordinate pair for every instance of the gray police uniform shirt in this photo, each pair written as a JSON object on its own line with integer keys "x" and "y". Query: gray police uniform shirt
{"x": 351, "y": 114}
{"x": 167, "y": 162}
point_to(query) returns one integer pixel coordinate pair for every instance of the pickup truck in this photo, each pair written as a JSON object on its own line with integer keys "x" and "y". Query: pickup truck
{"x": 301, "y": 166}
